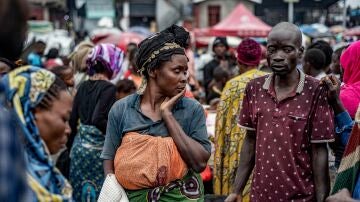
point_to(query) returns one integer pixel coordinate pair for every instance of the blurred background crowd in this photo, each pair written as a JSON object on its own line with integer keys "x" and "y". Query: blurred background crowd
{"x": 56, "y": 27}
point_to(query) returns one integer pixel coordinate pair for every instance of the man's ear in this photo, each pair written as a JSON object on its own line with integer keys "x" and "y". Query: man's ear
{"x": 301, "y": 52}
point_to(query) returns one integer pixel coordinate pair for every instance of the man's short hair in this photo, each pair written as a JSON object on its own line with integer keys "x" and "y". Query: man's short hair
{"x": 325, "y": 48}
{"x": 316, "y": 58}
{"x": 286, "y": 26}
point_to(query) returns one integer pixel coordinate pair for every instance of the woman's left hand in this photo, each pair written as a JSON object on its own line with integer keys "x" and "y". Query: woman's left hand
{"x": 169, "y": 103}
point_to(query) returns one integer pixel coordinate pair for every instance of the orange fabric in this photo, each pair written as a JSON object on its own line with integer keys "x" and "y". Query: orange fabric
{"x": 144, "y": 161}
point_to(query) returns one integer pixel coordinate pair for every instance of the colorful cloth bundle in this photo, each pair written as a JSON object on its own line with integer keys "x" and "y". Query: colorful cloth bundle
{"x": 144, "y": 161}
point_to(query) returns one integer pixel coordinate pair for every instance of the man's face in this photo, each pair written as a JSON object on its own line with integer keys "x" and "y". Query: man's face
{"x": 283, "y": 51}
{"x": 220, "y": 50}
{"x": 40, "y": 49}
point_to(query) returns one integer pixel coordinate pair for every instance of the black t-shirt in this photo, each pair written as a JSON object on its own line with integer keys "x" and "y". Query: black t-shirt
{"x": 91, "y": 105}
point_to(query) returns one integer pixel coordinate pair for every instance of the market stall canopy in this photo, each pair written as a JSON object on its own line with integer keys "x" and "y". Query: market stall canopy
{"x": 336, "y": 29}
{"x": 242, "y": 23}
{"x": 119, "y": 39}
{"x": 355, "y": 31}
{"x": 141, "y": 30}
{"x": 316, "y": 31}
{"x": 201, "y": 42}
{"x": 40, "y": 26}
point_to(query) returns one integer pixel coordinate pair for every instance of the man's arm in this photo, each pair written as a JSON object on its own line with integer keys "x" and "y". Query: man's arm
{"x": 320, "y": 170}
{"x": 246, "y": 165}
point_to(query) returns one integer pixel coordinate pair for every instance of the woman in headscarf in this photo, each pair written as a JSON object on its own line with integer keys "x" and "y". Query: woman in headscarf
{"x": 156, "y": 141}
{"x": 42, "y": 106}
{"x": 88, "y": 121}
{"x": 350, "y": 91}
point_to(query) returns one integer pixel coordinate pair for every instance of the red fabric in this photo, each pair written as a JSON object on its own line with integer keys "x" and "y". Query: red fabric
{"x": 350, "y": 97}
{"x": 350, "y": 92}
{"x": 189, "y": 94}
{"x": 127, "y": 74}
{"x": 206, "y": 175}
{"x": 283, "y": 169}
{"x": 51, "y": 63}
{"x": 350, "y": 62}
{"x": 120, "y": 39}
{"x": 241, "y": 22}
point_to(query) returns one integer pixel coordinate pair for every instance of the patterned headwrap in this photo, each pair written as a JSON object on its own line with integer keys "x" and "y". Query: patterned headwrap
{"x": 110, "y": 56}
{"x": 153, "y": 49}
{"x": 25, "y": 88}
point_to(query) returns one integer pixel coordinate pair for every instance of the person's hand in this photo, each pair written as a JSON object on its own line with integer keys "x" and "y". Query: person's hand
{"x": 342, "y": 196}
{"x": 169, "y": 103}
{"x": 234, "y": 198}
{"x": 333, "y": 84}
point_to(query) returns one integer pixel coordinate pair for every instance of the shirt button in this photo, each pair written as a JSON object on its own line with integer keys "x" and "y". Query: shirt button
{"x": 276, "y": 109}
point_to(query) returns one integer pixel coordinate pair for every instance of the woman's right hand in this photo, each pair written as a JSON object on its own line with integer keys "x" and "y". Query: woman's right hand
{"x": 234, "y": 198}
{"x": 169, "y": 103}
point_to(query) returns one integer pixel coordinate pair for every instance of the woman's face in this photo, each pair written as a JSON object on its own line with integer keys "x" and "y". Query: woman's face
{"x": 172, "y": 76}
{"x": 53, "y": 123}
{"x": 68, "y": 77}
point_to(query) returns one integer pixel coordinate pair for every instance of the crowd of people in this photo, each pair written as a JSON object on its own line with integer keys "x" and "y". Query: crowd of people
{"x": 286, "y": 119}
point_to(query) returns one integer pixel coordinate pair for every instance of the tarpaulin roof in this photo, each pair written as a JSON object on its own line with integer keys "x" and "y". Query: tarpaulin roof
{"x": 240, "y": 22}
{"x": 355, "y": 31}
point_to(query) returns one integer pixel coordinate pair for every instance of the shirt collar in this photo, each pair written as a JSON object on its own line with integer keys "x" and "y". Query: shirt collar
{"x": 299, "y": 88}
{"x": 320, "y": 76}
{"x": 136, "y": 103}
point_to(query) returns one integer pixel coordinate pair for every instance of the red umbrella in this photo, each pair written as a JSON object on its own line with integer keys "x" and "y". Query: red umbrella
{"x": 121, "y": 40}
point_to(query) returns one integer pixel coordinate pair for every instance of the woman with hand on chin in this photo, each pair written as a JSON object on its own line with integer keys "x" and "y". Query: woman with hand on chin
{"x": 156, "y": 141}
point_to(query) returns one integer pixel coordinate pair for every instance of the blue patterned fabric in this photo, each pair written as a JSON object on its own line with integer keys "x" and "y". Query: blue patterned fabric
{"x": 25, "y": 87}
{"x": 12, "y": 173}
{"x": 86, "y": 168}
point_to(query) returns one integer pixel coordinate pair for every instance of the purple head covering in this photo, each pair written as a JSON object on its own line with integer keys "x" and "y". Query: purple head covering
{"x": 110, "y": 56}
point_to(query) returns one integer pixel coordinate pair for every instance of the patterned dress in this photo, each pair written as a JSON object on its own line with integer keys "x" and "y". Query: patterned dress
{"x": 228, "y": 136}
{"x": 86, "y": 168}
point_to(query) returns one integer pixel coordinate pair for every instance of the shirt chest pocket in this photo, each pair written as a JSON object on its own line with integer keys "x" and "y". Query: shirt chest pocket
{"x": 296, "y": 122}
{"x": 298, "y": 128}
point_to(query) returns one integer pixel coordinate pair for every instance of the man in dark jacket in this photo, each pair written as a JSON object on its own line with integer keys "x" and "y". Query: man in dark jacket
{"x": 222, "y": 58}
